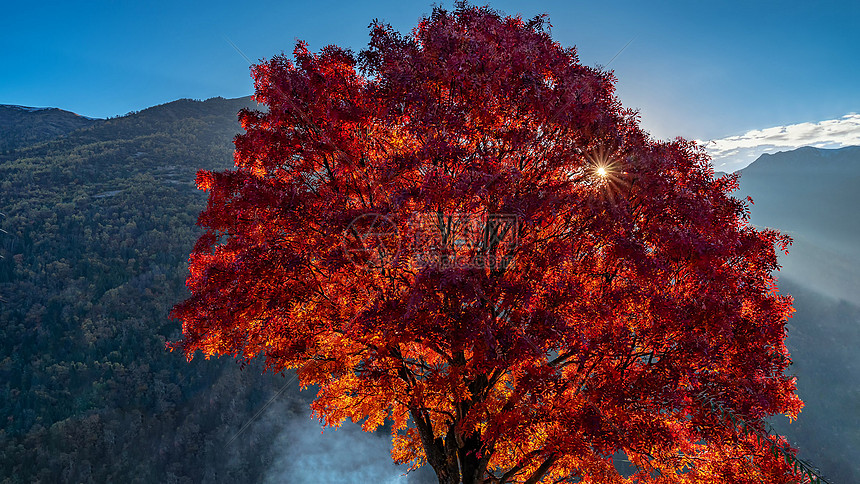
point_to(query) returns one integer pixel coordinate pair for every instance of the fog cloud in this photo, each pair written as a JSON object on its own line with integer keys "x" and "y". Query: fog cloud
{"x": 309, "y": 454}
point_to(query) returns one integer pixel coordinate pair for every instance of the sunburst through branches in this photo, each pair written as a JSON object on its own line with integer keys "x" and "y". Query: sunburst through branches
{"x": 608, "y": 172}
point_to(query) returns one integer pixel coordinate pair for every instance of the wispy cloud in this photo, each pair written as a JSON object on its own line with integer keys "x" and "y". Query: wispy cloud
{"x": 735, "y": 152}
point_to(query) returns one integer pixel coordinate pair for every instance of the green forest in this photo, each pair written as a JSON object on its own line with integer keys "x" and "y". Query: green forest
{"x": 99, "y": 226}
{"x": 98, "y": 219}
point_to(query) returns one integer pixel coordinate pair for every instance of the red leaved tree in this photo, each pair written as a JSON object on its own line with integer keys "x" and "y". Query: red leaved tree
{"x": 463, "y": 234}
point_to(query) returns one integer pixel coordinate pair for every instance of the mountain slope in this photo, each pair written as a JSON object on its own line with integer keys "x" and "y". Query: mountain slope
{"x": 811, "y": 194}
{"x": 22, "y": 126}
{"x": 100, "y": 223}
{"x": 810, "y": 191}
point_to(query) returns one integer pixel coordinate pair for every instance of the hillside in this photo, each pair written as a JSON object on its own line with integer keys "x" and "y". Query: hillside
{"x": 100, "y": 223}
{"x": 811, "y": 195}
{"x": 810, "y": 191}
{"x": 22, "y": 126}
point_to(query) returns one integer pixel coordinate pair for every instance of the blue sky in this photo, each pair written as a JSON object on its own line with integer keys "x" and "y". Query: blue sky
{"x": 726, "y": 71}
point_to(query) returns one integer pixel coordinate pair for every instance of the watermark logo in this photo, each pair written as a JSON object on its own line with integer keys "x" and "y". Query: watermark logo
{"x": 462, "y": 240}
{"x": 434, "y": 239}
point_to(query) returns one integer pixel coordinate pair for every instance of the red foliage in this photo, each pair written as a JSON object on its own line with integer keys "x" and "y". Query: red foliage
{"x": 629, "y": 285}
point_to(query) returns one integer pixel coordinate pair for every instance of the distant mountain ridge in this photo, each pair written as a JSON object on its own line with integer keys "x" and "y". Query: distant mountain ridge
{"x": 31, "y": 109}
{"x": 22, "y": 125}
{"x": 808, "y": 160}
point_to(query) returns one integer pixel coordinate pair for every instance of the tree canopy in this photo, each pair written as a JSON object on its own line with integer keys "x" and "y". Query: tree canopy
{"x": 463, "y": 234}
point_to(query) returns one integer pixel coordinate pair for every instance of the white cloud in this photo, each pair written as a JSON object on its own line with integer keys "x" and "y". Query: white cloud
{"x": 735, "y": 152}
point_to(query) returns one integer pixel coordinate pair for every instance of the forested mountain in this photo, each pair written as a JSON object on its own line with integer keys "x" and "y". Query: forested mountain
{"x": 100, "y": 223}
{"x": 811, "y": 194}
{"x": 100, "y": 218}
{"x": 22, "y": 126}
